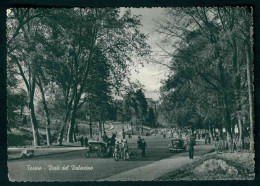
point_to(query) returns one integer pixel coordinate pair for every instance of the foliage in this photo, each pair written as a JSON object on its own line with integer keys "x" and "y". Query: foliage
{"x": 208, "y": 86}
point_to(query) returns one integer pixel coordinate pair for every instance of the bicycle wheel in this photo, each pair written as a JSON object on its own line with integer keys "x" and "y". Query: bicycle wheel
{"x": 116, "y": 156}
{"x": 132, "y": 155}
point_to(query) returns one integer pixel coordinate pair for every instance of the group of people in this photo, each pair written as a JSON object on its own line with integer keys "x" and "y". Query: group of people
{"x": 142, "y": 145}
{"x": 113, "y": 144}
{"x": 122, "y": 146}
{"x": 110, "y": 142}
{"x": 83, "y": 141}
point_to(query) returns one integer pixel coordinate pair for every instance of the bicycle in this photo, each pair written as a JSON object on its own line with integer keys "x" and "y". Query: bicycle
{"x": 119, "y": 154}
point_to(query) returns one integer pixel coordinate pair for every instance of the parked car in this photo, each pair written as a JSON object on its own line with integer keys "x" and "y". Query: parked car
{"x": 98, "y": 147}
{"x": 27, "y": 153}
{"x": 178, "y": 145}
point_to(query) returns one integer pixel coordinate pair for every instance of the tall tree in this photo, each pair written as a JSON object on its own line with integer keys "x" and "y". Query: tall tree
{"x": 207, "y": 44}
{"x": 21, "y": 32}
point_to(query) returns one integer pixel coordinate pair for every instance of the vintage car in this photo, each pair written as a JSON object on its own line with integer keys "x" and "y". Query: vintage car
{"x": 97, "y": 147}
{"x": 178, "y": 145}
{"x": 100, "y": 148}
{"x": 27, "y": 153}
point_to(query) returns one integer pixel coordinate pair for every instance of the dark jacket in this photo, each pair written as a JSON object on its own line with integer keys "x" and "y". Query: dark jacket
{"x": 143, "y": 145}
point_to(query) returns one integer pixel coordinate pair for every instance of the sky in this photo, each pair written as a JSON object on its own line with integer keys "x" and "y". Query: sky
{"x": 150, "y": 75}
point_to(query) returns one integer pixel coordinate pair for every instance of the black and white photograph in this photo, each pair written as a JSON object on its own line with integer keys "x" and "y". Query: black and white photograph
{"x": 130, "y": 94}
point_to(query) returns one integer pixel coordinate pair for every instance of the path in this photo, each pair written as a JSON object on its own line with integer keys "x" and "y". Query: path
{"x": 156, "y": 169}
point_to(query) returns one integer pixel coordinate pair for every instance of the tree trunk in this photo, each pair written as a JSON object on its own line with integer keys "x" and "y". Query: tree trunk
{"x": 100, "y": 129}
{"x": 227, "y": 117}
{"x": 224, "y": 91}
{"x": 132, "y": 127}
{"x": 103, "y": 124}
{"x": 90, "y": 126}
{"x": 241, "y": 132}
{"x": 70, "y": 136}
{"x": 61, "y": 133}
{"x": 36, "y": 137}
{"x": 46, "y": 110}
{"x": 60, "y": 136}
{"x": 250, "y": 96}
{"x": 74, "y": 136}
{"x": 221, "y": 131}
{"x": 48, "y": 132}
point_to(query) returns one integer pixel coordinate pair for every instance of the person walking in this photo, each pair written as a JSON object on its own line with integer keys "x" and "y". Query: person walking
{"x": 206, "y": 139}
{"x": 139, "y": 142}
{"x": 217, "y": 144}
{"x": 81, "y": 141}
{"x": 143, "y": 147}
{"x": 191, "y": 147}
{"x": 209, "y": 139}
{"x": 86, "y": 141}
{"x": 105, "y": 137}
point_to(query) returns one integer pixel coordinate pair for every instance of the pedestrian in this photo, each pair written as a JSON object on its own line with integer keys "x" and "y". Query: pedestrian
{"x": 86, "y": 141}
{"x": 143, "y": 147}
{"x": 139, "y": 142}
{"x": 191, "y": 144}
{"x": 113, "y": 140}
{"x": 164, "y": 135}
{"x": 217, "y": 144}
{"x": 129, "y": 135}
{"x": 81, "y": 141}
{"x": 206, "y": 139}
{"x": 105, "y": 137}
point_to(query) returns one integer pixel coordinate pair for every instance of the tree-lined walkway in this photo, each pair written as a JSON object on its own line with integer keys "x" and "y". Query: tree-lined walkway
{"x": 102, "y": 167}
{"x": 156, "y": 169}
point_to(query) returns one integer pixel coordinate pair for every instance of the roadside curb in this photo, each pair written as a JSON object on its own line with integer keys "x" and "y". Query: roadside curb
{"x": 54, "y": 153}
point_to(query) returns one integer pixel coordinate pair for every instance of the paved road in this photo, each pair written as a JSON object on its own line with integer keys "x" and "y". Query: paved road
{"x": 95, "y": 168}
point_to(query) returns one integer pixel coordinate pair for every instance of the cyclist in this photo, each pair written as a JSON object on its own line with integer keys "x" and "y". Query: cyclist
{"x": 117, "y": 148}
{"x": 125, "y": 149}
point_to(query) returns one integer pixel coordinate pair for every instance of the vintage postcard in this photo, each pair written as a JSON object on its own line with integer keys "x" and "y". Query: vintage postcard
{"x": 130, "y": 94}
